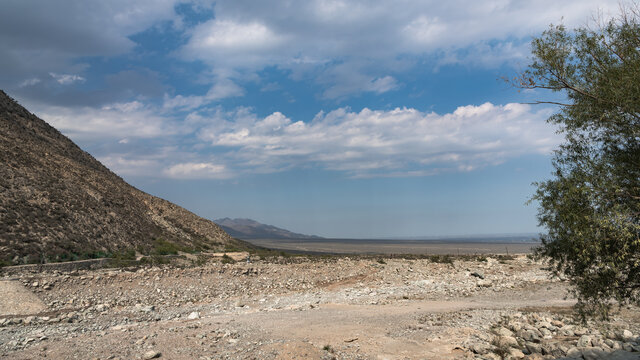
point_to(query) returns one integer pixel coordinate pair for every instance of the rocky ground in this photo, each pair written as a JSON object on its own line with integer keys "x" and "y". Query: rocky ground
{"x": 317, "y": 308}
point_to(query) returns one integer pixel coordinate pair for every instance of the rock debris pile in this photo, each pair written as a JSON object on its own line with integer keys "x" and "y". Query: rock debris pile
{"x": 547, "y": 336}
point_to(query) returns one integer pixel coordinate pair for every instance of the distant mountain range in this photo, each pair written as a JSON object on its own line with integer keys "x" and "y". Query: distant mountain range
{"x": 251, "y": 229}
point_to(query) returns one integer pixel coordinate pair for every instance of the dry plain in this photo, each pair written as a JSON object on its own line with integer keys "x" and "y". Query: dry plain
{"x": 305, "y": 308}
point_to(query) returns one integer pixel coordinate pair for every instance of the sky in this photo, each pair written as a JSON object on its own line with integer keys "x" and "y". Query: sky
{"x": 336, "y": 118}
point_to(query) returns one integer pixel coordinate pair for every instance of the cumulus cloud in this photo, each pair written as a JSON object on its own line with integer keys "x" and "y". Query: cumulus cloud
{"x": 117, "y": 120}
{"x": 399, "y": 142}
{"x": 369, "y": 143}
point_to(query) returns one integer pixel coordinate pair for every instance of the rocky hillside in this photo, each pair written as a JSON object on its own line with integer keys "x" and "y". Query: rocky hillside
{"x": 58, "y": 202}
{"x": 251, "y": 229}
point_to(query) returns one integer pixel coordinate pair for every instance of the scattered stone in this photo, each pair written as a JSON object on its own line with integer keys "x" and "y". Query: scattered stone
{"x": 481, "y": 348}
{"x": 151, "y": 354}
{"x": 516, "y": 353}
{"x": 502, "y": 331}
{"x": 584, "y": 341}
{"x": 193, "y": 316}
{"x": 507, "y": 342}
{"x": 627, "y": 336}
{"x": 533, "y": 348}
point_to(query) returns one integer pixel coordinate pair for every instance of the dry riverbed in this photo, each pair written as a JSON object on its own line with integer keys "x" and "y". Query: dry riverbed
{"x": 316, "y": 308}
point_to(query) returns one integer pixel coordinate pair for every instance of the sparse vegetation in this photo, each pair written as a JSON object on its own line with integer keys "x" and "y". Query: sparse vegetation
{"x": 163, "y": 247}
{"x": 226, "y": 259}
{"x": 441, "y": 259}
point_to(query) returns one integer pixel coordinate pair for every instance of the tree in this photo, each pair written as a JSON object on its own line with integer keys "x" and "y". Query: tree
{"x": 591, "y": 207}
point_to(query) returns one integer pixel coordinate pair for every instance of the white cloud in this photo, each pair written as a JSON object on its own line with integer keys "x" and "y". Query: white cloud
{"x": 369, "y": 143}
{"x": 197, "y": 171}
{"x": 29, "y": 82}
{"x": 130, "y": 165}
{"x": 66, "y": 79}
{"x": 231, "y": 38}
{"x": 399, "y": 142}
{"x": 318, "y": 37}
{"x": 221, "y": 89}
{"x": 118, "y": 120}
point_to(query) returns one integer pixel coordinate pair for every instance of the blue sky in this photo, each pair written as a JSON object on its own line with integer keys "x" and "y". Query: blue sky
{"x": 335, "y": 118}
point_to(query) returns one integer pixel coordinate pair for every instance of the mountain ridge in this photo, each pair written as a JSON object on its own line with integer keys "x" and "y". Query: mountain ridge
{"x": 243, "y": 228}
{"x": 57, "y": 201}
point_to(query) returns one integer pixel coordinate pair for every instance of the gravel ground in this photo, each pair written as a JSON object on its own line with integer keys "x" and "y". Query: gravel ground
{"x": 318, "y": 308}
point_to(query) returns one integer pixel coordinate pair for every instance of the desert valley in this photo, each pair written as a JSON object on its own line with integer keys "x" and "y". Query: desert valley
{"x": 446, "y": 180}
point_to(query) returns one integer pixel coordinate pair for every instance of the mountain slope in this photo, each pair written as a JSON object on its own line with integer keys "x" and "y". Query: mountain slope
{"x": 251, "y": 229}
{"x": 57, "y": 200}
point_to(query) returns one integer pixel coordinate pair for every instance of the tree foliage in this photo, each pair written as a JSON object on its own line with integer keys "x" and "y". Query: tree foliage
{"x": 591, "y": 207}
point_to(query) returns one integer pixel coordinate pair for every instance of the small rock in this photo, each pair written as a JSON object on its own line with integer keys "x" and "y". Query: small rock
{"x": 193, "y": 316}
{"x": 584, "y": 341}
{"x": 151, "y": 354}
{"x": 516, "y": 353}
{"x": 501, "y": 331}
{"x": 593, "y": 353}
{"x": 627, "y": 336}
{"x": 579, "y": 331}
{"x": 480, "y": 348}
{"x": 478, "y": 274}
{"x": 508, "y": 342}
{"x": 546, "y": 333}
{"x": 529, "y": 335}
{"x": 533, "y": 348}
{"x": 567, "y": 330}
